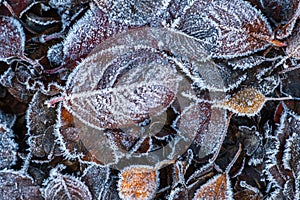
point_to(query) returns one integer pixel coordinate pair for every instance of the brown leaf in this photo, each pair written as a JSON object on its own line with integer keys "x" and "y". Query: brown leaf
{"x": 138, "y": 183}
{"x": 216, "y": 188}
{"x": 245, "y": 102}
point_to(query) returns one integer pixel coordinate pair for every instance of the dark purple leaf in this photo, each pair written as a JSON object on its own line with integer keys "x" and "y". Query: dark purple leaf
{"x": 87, "y": 33}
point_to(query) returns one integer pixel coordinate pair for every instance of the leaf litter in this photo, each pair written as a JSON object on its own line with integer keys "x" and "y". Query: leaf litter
{"x": 230, "y": 48}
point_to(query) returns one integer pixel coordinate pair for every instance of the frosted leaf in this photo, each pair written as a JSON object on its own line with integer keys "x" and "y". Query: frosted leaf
{"x": 17, "y": 79}
{"x": 208, "y": 123}
{"x": 287, "y": 29}
{"x": 271, "y": 151}
{"x": 138, "y": 182}
{"x": 87, "y": 33}
{"x": 251, "y": 139}
{"x": 293, "y": 47}
{"x": 227, "y": 29}
{"x": 131, "y": 100}
{"x": 155, "y": 74}
{"x": 17, "y": 6}
{"x": 291, "y": 127}
{"x": 216, "y": 188}
{"x": 101, "y": 182}
{"x": 245, "y": 102}
{"x": 40, "y": 123}
{"x": 246, "y": 62}
{"x": 60, "y": 186}
{"x": 8, "y": 147}
{"x": 39, "y": 117}
{"x": 280, "y": 10}
{"x": 219, "y": 187}
{"x": 12, "y": 38}
{"x": 290, "y": 83}
{"x": 14, "y": 185}
{"x": 135, "y": 12}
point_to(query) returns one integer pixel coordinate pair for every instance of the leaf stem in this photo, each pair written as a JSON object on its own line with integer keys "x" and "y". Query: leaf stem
{"x": 53, "y": 101}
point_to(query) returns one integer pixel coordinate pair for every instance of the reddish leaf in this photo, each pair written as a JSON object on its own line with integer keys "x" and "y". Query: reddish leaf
{"x": 12, "y": 38}
{"x": 227, "y": 29}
